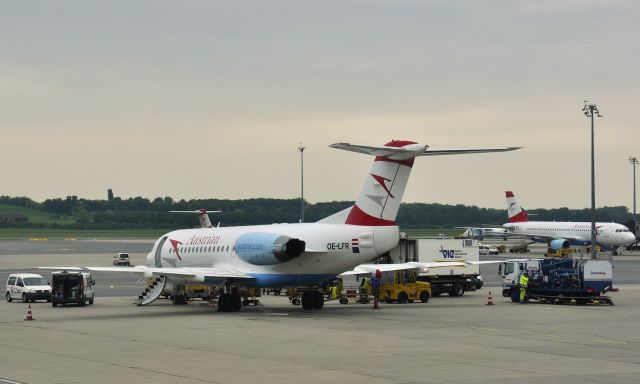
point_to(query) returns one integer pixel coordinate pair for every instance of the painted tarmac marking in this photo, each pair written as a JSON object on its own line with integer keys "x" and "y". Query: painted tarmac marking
{"x": 608, "y": 341}
{"x": 7, "y": 381}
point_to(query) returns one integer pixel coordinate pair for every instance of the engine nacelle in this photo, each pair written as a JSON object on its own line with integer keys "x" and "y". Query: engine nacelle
{"x": 559, "y": 244}
{"x": 261, "y": 248}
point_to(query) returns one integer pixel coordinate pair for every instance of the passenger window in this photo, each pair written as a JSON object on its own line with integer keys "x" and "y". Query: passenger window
{"x": 19, "y": 283}
{"x": 12, "y": 281}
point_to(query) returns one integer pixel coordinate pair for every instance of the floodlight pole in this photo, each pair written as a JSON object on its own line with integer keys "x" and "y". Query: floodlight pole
{"x": 634, "y": 161}
{"x": 591, "y": 110}
{"x": 301, "y": 148}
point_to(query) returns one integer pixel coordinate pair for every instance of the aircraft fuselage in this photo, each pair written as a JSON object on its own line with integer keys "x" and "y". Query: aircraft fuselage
{"x": 329, "y": 250}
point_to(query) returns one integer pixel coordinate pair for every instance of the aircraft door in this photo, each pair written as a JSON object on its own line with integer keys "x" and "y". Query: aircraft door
{"x": 158, "y": 254}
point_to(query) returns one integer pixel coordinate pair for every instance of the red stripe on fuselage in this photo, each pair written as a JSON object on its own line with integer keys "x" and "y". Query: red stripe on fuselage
{"x": 358, "y": 217}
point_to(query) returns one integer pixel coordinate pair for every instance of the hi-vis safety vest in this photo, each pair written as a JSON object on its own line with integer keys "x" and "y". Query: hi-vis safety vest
{"x": 524, "y": 281}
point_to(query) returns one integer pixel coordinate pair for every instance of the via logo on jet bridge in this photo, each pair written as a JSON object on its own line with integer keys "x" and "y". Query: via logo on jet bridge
{"x": 448, "y": 253}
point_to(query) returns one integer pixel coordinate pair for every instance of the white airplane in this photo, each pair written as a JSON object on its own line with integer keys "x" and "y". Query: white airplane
{"x": 291, "y": 255}
{"x": 563, "y": 234}
{"x": 483, "y": 232}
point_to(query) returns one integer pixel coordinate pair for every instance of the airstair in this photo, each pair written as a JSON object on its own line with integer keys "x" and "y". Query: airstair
{"x": 155, "y": 286}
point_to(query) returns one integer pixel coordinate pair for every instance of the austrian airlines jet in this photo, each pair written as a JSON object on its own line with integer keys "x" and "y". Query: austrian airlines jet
{"x": 292, "y": 255}
{"x": 563, "y": 234}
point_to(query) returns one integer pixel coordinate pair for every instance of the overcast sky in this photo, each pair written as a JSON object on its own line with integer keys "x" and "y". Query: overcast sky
{"x": 210, "y": 99}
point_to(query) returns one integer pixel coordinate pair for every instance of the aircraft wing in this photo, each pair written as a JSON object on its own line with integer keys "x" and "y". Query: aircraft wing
{"x": 198, "y": 274}
{"x": 370, "y": 269}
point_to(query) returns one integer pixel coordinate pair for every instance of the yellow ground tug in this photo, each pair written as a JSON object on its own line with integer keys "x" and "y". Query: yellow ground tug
{"x": 402, "y": 287}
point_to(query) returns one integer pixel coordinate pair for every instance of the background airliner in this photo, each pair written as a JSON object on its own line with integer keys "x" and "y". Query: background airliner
{"x": 481, "y": 232}
{"x": 291, "y": 255}
{"x": 563, "y": 234}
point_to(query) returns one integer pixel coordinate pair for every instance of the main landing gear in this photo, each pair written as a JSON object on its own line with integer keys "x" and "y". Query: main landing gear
{"x": 229, "y": 300}
{"x": 312, "y": 300}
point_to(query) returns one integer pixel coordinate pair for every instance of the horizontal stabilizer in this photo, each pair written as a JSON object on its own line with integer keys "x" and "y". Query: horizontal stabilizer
{"x": 464, "y": 151}
{"x": 413, "y": 150}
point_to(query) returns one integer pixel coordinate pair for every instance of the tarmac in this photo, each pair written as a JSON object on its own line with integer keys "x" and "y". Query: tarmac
{"x": 448, "y": 340}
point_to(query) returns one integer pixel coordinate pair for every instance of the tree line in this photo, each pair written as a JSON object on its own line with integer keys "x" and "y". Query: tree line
{"x": 143, "y": 213}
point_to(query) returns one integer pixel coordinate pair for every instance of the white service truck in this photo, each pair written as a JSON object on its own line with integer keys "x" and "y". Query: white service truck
{"x": 452, "y": 280}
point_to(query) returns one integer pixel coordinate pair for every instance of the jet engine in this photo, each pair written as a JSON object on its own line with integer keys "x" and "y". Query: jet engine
{"x": 559, "y": 244}
{"x": 263, "y": 248}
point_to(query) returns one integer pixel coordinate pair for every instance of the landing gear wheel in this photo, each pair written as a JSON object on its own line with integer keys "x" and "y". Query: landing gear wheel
{"x": 307, "y": 300}
{"x": 91, "y": 301}
{"x": 8, "y": 296}
{"x": 344, "y": 300}
{"x": 236, "y": 302}
{"x": 178, "y": 299}
{"x": 224, "y": 302}
{"x": 318, "y": 300}
{"x": 424, "y": 297}
{"x": 54, "y": 304}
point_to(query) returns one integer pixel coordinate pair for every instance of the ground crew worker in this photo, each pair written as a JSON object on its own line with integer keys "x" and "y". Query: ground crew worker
{"x": 364, "y": 290}
{"x": 524, "y": 283}
{"x": 333, "y": 292}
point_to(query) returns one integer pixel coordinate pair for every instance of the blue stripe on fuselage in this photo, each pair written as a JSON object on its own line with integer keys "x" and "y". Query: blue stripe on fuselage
{"x": 571, "y": 241}
{"x": 282, "y": 280}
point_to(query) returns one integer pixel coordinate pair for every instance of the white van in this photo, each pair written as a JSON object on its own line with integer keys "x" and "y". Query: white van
{"x": 72, "y": 287}
{"x": 27, "y": 287}
{"x": 121, "y": 259}
{"x": 487, "y": 250}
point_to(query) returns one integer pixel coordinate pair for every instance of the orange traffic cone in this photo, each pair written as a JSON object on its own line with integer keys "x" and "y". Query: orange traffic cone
{"x": 490, "y": 301}
{"x": 29, "y": 315}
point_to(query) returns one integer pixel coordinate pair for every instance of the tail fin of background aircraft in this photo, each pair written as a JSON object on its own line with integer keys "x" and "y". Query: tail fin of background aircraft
{"x": 514, "y": 210}
{"x": 203, "y": 216}
{"x": 381, "y": 195}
